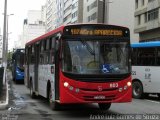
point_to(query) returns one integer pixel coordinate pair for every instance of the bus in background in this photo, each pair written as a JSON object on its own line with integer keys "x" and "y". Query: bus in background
{"x": 18, "y": 65}
{"x": 145, "y": 68}
{"x": 80, "y": 63}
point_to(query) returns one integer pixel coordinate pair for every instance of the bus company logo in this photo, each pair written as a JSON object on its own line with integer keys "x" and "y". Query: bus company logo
{"x": 100, "y": 88}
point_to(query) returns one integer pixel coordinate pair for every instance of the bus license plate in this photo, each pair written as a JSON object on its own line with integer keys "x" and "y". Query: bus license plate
{"x": 99, "y": 97}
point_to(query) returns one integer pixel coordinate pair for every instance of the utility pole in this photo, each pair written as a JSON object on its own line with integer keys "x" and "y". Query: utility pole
{"x": 4, "y": 34}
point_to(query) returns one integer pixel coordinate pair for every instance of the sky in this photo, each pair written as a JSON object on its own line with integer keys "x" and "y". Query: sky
{"x": 19, "y": 8}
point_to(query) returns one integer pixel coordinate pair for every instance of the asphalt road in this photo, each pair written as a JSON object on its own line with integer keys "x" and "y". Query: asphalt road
{"x": 22, "y": 107}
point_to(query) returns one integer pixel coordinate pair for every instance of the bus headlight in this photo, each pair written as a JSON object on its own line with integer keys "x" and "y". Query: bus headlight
{"x": 66, "y": 84}
{"x": 129, "y": 84}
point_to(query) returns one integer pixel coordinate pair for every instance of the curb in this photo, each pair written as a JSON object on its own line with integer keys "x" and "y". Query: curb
{"x": 4, "y": 104}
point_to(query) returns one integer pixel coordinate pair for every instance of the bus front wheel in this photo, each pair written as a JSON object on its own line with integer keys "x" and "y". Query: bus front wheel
{"x": 137, "y": 90}
{"x": 104, "y": 106}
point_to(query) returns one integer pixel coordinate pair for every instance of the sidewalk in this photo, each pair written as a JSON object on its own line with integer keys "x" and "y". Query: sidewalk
{"x": 4, "y": 93}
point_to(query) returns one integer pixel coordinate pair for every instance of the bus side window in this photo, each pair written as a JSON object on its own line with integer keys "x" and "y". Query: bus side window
{"x": 52, "y": 50}
{"x": 134, "y": 56}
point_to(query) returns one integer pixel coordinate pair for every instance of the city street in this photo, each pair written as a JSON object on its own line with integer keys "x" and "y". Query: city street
{"x": 21, "y": 106}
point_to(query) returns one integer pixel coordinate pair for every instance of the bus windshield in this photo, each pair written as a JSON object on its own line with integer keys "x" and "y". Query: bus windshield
{"x": 95, "y": 57}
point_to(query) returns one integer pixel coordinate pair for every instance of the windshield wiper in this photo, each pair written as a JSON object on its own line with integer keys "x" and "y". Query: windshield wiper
{"x": 91, "y": 51}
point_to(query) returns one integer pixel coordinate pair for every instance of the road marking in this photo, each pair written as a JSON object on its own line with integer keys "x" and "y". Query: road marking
{"x": 153, "y": 101}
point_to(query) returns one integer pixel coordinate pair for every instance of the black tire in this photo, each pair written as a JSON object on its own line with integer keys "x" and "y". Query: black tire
{"x": 32, "y": 94}
{"x": 137, "y": 90}
{"x": 104, "y": 106}
{"x": 53, "y": 104}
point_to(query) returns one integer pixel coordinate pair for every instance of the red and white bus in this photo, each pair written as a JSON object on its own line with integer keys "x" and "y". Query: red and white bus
{"x": 80, "y": 63}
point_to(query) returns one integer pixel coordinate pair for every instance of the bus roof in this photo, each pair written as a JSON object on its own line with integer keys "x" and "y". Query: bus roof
{"x": 60, "y": 29}
{"x": 146, "y": 44}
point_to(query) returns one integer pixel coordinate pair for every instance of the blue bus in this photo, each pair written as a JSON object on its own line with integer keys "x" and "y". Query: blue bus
{"x": 18, "y": 65}
{"x": 145, "y": 69}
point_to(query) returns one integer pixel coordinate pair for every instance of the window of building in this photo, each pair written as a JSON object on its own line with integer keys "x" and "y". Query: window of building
{"x": 93, "y": 5}
{"x": 74, "y": 14}
{"x": 145, "y": 17}
{"x": 151, "y": 0}
{"x": 67, "y": 9}
{"x": 75, "y": 5}
{"x": 139, "y": 19}
{"x": 67, "y": 17}
{"x": 153, "y": 14}
{"x": 142, "y": 2}
{"x": 92, "y": 17}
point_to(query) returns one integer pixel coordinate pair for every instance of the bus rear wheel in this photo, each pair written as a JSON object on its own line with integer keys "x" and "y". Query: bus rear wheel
{"x": 137, "y": 90}
{"x": 104, "y": 106}
{"x": 53, "y": 104}
{"x": 32, "y": 94}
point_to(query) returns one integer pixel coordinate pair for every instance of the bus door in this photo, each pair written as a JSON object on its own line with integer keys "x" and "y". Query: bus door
{"x": 36, "y": 66}
{"x": 56, "y": 54}
{"x": 27, "y": 67}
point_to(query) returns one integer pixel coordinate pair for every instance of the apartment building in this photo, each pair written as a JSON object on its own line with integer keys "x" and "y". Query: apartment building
{"x": 70, "y": 11}
{"x": 54, "y": 14}
{"x": 95, "y": 11}
{"x": 33, "y": 27}
{"x": 114, "y": 12}
{"x": 147, "y": 20}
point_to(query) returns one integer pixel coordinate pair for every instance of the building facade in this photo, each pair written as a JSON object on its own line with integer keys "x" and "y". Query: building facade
{"x": 33, "y": 27}
{"x": 70, "y": 12}
{"x": 114, "y": 12}
{"x": 95, "y": 11}
{"x": 54, "y": 14}
{"x": 147, "y": 19}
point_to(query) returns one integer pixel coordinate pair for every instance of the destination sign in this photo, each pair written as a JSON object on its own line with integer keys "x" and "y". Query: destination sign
{"x": 97, "y": 32}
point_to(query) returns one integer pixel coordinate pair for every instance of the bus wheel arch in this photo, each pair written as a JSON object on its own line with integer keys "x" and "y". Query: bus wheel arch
{"x": 48, "y": 88}
{"x": 137, "y": 89}
{"x": 53, "y": 104}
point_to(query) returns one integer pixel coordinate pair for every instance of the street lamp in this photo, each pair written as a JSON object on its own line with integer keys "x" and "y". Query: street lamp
{"x": 7, "y": 32}
{"x": 4, "y": 34}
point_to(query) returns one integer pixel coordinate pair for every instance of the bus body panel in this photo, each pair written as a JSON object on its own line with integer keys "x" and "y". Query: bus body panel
{"x": 45, "y": 76}
{"x": 26, "y": 76}
{"x": 90, "y": 92}
{"x": 31, "y": 75}
{"x": 148, "y": 75}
